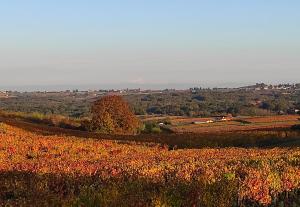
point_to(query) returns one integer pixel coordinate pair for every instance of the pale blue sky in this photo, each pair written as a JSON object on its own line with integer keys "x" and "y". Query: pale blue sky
{"x": 196, "y": 42}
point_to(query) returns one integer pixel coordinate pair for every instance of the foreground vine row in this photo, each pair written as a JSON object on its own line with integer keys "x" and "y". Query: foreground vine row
{"x": 51, "y": 170}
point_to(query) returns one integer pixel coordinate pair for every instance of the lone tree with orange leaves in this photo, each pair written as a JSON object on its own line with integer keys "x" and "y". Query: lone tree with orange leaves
{"x": 112, "y": 115}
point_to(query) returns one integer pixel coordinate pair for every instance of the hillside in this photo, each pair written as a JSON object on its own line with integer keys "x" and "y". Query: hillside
{"x": 41, "y": 170}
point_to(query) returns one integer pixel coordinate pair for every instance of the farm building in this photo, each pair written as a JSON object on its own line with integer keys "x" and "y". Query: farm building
{"x": 3, "y": 94}
{"x": 223, "y": 118}
{"x": 203, "y": 122}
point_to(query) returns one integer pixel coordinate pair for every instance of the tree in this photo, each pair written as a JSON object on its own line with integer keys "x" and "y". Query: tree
{"x": 112, "y": 115}
{"x": 282, "y": 105}
{"x": 267, "y": 105}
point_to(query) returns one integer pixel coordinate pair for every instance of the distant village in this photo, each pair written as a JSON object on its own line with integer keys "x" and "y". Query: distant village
{"x": 256, "y": 87}
{"x": 95, "y": 93}
{"x": 262, "y": 86}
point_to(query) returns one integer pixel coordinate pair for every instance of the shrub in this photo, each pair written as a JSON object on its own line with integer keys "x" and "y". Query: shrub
{"x": 152, "y": 127}
{"x": 86, "y": 125}
{"x": 112, "y": 115}
{"x": 156, "y": 130}
{"x": 2, "y": 128}
{"x": 167, "y": 121}
{"x": 296, "y": 127}
{"x": 243, "y": 121}
{"x": 35, "y": 117}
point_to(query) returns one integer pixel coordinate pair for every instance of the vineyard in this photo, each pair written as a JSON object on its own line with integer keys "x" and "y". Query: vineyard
{"x": 236, "y": 124}
{"x": 40, "y": 170}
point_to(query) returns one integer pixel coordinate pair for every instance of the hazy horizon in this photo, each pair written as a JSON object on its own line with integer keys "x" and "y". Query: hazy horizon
{"x": 153, "y": 43}
{"x": 31, "y": 88}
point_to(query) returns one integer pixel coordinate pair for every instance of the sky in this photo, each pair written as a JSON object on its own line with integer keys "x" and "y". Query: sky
{"x": 148, "y": 43}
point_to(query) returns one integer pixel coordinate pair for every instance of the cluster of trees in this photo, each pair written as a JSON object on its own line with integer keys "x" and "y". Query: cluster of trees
{"x": 202, "y": 102}
{"x": 47, "y": 104}
{"x": 208, "y": 103}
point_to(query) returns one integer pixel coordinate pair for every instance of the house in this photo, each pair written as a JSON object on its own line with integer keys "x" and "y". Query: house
{"x": 3, "y": 94}
{"x": 223, "y": 118}
{"x": 203, "y": 122}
